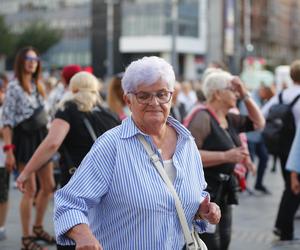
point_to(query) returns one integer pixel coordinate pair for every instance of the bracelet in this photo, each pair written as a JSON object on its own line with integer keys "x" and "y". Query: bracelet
{"x": 9, "y": 147}
{"x": 246, "y": 97}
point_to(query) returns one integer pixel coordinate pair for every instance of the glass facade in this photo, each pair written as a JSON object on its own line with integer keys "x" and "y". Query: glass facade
{"x": 154, "y": 18}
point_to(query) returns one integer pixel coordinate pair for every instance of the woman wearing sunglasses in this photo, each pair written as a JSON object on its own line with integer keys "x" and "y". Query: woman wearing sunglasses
{"x": 25, "y": 126}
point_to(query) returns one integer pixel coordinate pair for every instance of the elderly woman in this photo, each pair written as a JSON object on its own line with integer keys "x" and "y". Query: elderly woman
{"x": 117, "y": 199}
{"x": 216, "y": 134}
{"x": 68, "y": 129}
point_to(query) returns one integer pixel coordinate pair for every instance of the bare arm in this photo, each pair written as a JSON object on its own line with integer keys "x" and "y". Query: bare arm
{"x": 10, "y": 161}
{"x": 83, "y": 237}
{"x": 56, "y": 135}
{"x": 255, "y": 114}
{"x": 214, "y": 158}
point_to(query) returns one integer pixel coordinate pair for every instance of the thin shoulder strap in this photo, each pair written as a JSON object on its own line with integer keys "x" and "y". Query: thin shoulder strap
{"x": 295, "y": 100}
{"x": 158, "y": 165}
{"x": 89, "y": 128}
{"x": 280, "y": 97}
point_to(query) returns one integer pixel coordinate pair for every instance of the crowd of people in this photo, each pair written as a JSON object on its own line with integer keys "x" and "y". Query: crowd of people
{"x": 206, "y": 136}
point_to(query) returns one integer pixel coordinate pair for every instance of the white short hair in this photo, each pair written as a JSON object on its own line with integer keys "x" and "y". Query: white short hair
{"x": 147, "y": 70}
{"x": 216, "y": 81}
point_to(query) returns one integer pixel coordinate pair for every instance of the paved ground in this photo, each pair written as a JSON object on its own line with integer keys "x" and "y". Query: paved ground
{"x": 253, "y": 220}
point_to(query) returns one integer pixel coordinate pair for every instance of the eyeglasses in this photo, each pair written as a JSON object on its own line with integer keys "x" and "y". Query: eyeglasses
{"x": 32, "y": 58}
{"x": 230, "y": 88}
{"x": 162, "y": 96}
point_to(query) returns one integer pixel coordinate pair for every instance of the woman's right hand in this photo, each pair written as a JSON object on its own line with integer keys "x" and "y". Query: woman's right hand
{"x": 21, "y": 180}
{"x": 84, "y": 238}
{"x": 88, "y": 243}
{"x": 236, "y": 155}
{"x": 10, "y": 161}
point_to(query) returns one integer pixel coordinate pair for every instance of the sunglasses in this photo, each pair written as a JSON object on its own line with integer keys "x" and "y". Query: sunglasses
{"x": 32, "y": 58}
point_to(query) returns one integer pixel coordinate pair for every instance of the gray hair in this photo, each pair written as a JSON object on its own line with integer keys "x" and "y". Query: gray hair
{"x": 147, "y": 70}
{"x": 214, "y": 81}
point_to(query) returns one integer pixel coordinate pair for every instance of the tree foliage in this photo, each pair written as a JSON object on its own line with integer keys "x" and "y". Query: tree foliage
{"x": 7, "y": 39}
{"x": 38, "y": 35}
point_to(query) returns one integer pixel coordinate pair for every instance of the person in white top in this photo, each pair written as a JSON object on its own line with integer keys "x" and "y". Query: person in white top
{"x": 283, "y": 225}
{"x": 187, "y": 96}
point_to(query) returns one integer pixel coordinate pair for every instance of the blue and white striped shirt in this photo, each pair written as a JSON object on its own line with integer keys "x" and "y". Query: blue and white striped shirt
{"x": 293, "y": 162}
{"x": 120, "y": 195}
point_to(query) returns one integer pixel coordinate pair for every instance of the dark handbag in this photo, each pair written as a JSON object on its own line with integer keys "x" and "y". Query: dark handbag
{"x": 216, "y": 185}
{"x": 38, "y": 120}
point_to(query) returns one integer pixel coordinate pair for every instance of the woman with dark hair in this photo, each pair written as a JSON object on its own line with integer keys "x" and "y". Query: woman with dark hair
{"x": 25, "y": 121}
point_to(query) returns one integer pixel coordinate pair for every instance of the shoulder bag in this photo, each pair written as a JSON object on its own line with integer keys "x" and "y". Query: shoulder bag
{"x": 37, "y": 120}
{"x": 193, "y": 241}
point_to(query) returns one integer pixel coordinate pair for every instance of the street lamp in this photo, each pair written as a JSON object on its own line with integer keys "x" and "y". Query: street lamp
{"x": 174, "y": 35}
{"x": 247, "y": 27}
{"x": 110, "y": 37}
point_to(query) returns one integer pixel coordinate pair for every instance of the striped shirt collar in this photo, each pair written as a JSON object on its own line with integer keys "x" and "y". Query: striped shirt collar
{"x": 129, "y": 128}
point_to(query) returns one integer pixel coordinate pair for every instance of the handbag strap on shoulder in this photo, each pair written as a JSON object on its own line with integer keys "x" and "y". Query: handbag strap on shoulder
{"x": 89, "y": 128}
{"x": 159, "y": 167}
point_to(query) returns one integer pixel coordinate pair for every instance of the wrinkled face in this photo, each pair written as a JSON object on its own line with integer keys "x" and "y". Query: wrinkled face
{"x": 31, "y": 62}
{"x": 150, "y": 104}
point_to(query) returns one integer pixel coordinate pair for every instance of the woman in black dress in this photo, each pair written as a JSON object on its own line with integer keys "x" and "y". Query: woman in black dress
{"x": 25, "y": 121}
{"x": 216, "y": 133}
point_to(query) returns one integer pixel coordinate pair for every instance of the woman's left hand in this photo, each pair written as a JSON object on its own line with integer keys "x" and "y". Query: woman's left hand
{"x": 209, "y": 211}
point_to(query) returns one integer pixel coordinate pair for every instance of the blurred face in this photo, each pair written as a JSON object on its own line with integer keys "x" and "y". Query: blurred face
{"x": 177, "y": 89}
{"x": 150, "y": 104}
{"x": 31, "y": 62}
{"x": 229, "y": 96}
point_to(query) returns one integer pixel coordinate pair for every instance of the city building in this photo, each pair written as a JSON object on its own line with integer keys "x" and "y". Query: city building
{"x": 71, "y": 17}
{"x": 275, "y": 32}
{"x": 109, "y": 34}
{"x": 148, "y": 28}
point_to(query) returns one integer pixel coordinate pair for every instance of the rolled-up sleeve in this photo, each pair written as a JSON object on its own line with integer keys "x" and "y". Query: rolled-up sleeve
{"x": 200, "y": 225}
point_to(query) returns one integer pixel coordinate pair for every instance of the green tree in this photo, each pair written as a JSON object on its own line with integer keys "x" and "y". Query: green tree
{"x": 38, "y": 35}
{"x": 7, "y": 39}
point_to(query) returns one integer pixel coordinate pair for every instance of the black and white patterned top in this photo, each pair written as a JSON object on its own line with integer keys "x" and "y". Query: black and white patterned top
{"x": 19, "y": 105}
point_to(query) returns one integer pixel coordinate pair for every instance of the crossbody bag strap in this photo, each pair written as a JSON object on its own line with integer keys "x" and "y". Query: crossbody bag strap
{"x": 89, "y": 128}
{"x": 67, "y": 156}
{"x": 159, "y": 167}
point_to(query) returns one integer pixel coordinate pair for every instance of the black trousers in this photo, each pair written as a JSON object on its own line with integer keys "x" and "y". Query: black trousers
{"x": 259, "y": 149}
{"x": 220, "y": 240}
{"x": 288, "y": 206}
